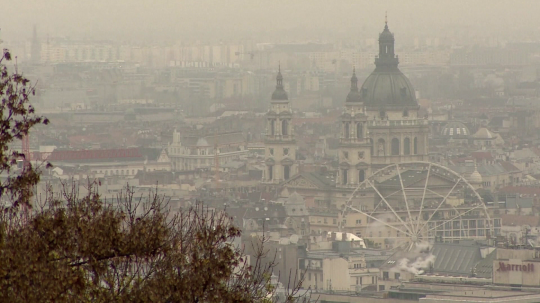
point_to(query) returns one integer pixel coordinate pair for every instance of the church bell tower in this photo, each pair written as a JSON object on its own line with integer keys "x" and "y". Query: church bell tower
{"x": 354, "y": 145}
{"x": 279, "y": 142}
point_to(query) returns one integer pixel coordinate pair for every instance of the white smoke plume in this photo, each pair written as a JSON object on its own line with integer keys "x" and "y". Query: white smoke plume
{"x": 416, "y": 265}
{"x": 417, "y": 261}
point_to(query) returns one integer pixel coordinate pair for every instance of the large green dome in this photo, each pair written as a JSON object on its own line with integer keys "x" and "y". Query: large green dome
{"x": 387, "y": 87}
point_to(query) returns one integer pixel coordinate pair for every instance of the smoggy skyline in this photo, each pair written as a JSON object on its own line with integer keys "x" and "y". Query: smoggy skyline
{"x": 147, "y": 20}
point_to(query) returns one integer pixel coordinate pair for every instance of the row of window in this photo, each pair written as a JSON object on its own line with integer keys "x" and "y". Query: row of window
{"x": 286, "y": 172}
{"x": 117, "y": 172}
{"x": 347, "y": 130}
{"x": 345, "y": 176}
{"x": 284, "y": 127}
{"x": 285, "y": 151}
{"x": 395, "y": 147}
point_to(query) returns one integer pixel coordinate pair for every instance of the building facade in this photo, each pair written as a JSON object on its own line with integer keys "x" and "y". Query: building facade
{"x": 188, "y": 153}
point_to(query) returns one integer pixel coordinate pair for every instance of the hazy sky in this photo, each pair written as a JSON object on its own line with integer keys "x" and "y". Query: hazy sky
{"x": 240, "y": 19}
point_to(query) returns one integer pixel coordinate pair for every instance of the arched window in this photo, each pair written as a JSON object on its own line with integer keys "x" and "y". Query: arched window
{"x": 286, "y": 172}
{"x": 346, "y": 130}
{"x": 415, "y": 145}
{"x": 359, "y": 131}
{"x": 344, "y": 177}
{"x": 381, "y": 147}
{"x": 361, "y": 175}
{"x": 272, "y": 126}
{"x": 407, "y": 146}
{"x": 284, "y": 128}
{"x": 395, "y": 147}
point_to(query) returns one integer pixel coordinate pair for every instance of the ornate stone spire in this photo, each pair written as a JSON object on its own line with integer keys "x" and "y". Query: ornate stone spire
{"x": 279, "y": 94}
{"x": 353, "y": 95}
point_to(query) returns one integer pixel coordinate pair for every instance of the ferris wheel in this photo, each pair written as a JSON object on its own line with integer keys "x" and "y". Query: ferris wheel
{"x": 412, "y": 204}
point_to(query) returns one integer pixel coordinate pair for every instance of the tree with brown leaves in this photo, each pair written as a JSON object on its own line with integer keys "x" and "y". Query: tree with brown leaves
{"x": 68, "y": 248}
{"x": 87, "y": 249}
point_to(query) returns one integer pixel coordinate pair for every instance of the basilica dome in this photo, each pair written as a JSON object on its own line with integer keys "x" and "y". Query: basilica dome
{"x": 387, "y": 87}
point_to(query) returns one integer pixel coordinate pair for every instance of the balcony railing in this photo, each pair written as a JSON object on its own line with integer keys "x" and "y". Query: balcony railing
{"x": 353, "y": 140}
{"x": 398, "y": 122}
{"x": 279, "y": 138}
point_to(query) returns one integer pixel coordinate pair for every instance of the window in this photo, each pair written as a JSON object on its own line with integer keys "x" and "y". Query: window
{"x": 359, "y": 131}
{"x": 334, "y": 221}
{"x": 380, "y": 147}
{"x": 405, "y": 113}
{"x": 344, "y": 176}
{"x": 361, "y": 175}
{"x": 395, "y": 147}
{"x": 396, "y": 276}
{"x": 286, "y": 172}
{"x": 358, "y": 222}
{"x": 270, "y": 172}
{"x": 407, "y": 146}
{"x": 361, "y": 155}
{"x": 346, "y": 155}
{"x": 346, "y": 130}
{"x": 284, "y": 127}
{"x": 382, "y": 114}
{"x": 415, "y": 146}
{"x": 271, "y": 150}
{"x": 285, "y": 151}
{"x": 272, "y": 127}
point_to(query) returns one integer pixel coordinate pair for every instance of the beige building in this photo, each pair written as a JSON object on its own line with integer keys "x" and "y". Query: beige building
{"x": 330, "y": 271}
{"x": 517, "y": 268}
{"x": 199, "y": 152}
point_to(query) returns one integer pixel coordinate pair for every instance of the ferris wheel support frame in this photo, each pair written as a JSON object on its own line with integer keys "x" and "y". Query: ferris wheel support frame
{"x": 415, "y": 230}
